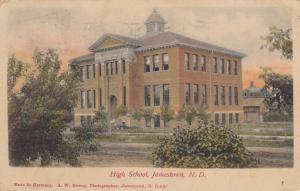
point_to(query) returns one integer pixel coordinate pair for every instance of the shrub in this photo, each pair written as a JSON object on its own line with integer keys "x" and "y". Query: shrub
{"x": 207, "y": 146}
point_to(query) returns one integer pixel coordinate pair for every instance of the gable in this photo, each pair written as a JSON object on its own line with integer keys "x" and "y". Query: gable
{"x": 110, "y": 43}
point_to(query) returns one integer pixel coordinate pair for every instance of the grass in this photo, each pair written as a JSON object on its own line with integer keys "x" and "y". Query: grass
{"x": 146, "y": 138}
{"x": 266, "y": 143}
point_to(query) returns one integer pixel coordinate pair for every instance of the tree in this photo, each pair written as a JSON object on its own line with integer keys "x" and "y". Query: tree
{"x": 278, "y": 90}
{"x": 167, "y": 114}
{"x": 207, "y": 146}
{"x": 190, "y": 113}
{"x": 41, "y": 111}
{"x": 121, "y": 111}
{"x": 143, "y": 113}
{"x": 280, "y": 40}
{"x": 187, "y": 113}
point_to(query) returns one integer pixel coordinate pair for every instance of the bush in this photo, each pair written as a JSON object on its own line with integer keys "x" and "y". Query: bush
{"x": 207, "y": 146}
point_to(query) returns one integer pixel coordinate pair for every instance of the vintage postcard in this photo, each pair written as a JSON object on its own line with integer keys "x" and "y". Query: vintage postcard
{"x": 149, "y": 95}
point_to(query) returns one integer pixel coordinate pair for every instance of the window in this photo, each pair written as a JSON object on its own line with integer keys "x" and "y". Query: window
{"x": 222, "y": 67}
{"x": 155, "y": 63}
{"x": 204, "y": 95}
{"x": 89, "y": 99}
{"x": 222, "y": 95}
{"x": 116, "y": 67}
{"x": 99, "y": 69}
{"x": 147, "y": 95}
{"x": 203, "y": 62}
{"x": 148, "y": 122}
{"x": 123, "y": 66}
{"x": 230, "y": 95}
{"x": 187, "y": 94}
{"x": 100, "y": 97}
{"x": 146, "y": 64}
{"x": 215, "y": 65}
{"x": 94, "y": 98}
{"x": 235, "y": 68}
{"x": 111, "y": 68}
{"x": 156, "y": 92}
{"x": 82, "y": 98}
{"x": 228, "y": 67}
{"x": 166, "y": 92}
{"x": 94, "y": 71}
{"x": 106, "y": 68}
{"x": 89, "y": 119}
{"x": 230, "y": 118}
{"x": 81, "y": 73}
{"x": 196, "y": 94}
{"x": 223, "y": 118}
{"x": 157, "y": 121}
{"x": 124, "y": 95}
{"x": 82, "y": 120}
{"x": 195, "y": 62}
{"x": 87, "y": 71}
{"x": 165, "y": 61}
{"x": 217, "y": 119}
{"x": 186, "y": 61}
{"x": 236, "y": 97}
{"x": 216, "y": 95}
{"x": 237, "y": 118}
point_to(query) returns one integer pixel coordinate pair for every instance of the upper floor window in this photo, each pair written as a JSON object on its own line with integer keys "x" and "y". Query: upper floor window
{"x": 230, "y": 95}
{"x": 155, "y": 63}
{"x": 82, "y": 99}
{"x": 146, "y": 64}
{"x": 196, "y": 94}
{"x": 147, "y": 95}
{"x": 195, "y": 62}
{"x": 156, "y": 92}
{"x": 228, "y": 67}
{"x": 204, "y": 95}
{"x": 116, "y": 67}
{"x": 236, "y": 96}
{"x": 88, "y": 71}
{"x": 203, "y": 62}
{"x": 216, "y": 95}
{"x": 94, "y": 98}
{"x": 99, "y": 69}
{"x": 100, "y": 97}
{"x": 111, "y": 68}
{"x": 215, "y": 65}
{"x": 222, "y": 95}
{"x": 124, "y": 66}
{"x": 124, "y": 95}
{"x": 187, "y": 94}
{"x": 94, "y": 71}
{"x": 222, "y": 67}
{"x": 165, "y": 61}
{"x": 81, "y": 73}
{"x": 186, "y": 61}
{"x": 106, "y": 68}
{"x": 166, "y": 94}
{"x": 235, "y": 68}
{"x": 89, "y": 99}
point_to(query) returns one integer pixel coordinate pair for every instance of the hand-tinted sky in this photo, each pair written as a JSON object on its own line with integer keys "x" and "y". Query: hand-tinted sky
{"x": 71, "y": 29}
